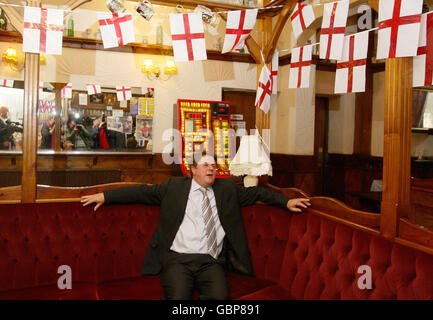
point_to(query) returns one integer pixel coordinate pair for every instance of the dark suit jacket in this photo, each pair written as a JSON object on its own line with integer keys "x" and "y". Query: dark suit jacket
{"x": 172, "y": 196}
{"x": 4, "y": 134}
{"x": 46, "y": 137}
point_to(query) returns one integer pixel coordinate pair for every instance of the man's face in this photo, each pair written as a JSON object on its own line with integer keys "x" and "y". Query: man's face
{"x": 4, "y": 112}
{"x": 204, "y": 173}
{"x": 72, "y": 124}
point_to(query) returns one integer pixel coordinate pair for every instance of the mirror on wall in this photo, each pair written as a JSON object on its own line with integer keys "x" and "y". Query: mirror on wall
{"x": 422, "y": 109}
{"x": 422, "y": 133}
{"x": 110, "y": 119}
{"x": 95, "y": 118}
{"x": 11, "y": 115}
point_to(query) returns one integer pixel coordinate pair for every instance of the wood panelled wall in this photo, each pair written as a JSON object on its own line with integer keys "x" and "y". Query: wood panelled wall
{"x": 86, "y": 170}
{"x": 295, "y": 171}
{"x": 348, "y": 178}
{"x": 422, "y": 202}
{"x": 344, "y": 174}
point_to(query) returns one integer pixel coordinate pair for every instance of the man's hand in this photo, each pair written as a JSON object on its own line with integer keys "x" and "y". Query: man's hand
{"x": 97, "y": 198}
{"x": 293, "y": 204}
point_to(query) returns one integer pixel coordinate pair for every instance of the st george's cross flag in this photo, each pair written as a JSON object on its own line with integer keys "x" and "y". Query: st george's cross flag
{"x": 67, "y": 91}
{"x": 116, "y": 28}
{"x": 43, "y": 30}
{"x": 333, "y": 29}
{"x": 6, "y": 83}
{"x": 187, "y": 35}
{"x": 399, "y": 25}
{"x": 302, "y": 17}
{"x": 239, "y": 25}
{"x": 123, "y": 93}
{"x": 93, "y": 88}
{"x": 350, "y": 75}
{"x": 300, "y": 67}
{"x": 423, "y": 62}
{"x": 264, "y": 90}
{"x": 274, "y": 72}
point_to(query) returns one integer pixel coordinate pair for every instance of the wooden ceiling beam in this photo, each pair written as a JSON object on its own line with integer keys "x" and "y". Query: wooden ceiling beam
{"x": 195, "y": 3}
{"x": 218, "y": 6}
{"x": 282, "y": 19}
{"x": 374, "y": 4}
{"x": 74, "y": 4}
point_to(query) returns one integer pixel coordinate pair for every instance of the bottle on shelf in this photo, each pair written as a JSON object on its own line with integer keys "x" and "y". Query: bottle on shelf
{"x": 70, "y": 26}
{"x": 159, "y": 35}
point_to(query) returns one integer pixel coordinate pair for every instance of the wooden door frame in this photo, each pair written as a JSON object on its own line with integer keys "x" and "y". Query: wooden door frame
{"x": 324, "y": 161}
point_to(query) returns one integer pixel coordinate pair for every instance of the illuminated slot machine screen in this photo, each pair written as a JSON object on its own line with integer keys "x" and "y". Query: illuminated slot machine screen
{"x": 205, "y": 126}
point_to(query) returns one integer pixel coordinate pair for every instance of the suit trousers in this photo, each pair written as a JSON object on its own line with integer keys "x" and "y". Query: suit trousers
{"x": 184, "y": 272}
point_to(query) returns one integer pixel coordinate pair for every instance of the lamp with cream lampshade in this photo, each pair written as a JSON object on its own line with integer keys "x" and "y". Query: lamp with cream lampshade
{"x": 251, "y": 160}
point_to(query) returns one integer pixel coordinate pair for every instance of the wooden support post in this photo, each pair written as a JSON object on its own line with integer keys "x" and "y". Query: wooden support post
{"x": 30, "y": 128}
{"x": 397, "y": 144}
{"x": 58, "y": 118}
{"x": 275, "y": 34}
{"x": 264, "y": 27}
{"x": 30, "y": 123}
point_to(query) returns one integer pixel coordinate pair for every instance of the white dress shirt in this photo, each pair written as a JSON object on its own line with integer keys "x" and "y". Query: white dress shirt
{"x": 191, "y": 236}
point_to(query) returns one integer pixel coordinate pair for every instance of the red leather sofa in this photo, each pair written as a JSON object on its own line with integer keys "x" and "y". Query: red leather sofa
{"x": 295, "y": 256}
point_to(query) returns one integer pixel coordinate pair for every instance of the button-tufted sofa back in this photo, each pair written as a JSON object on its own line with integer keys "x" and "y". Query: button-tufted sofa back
{"x": 315, "y": 258}
{"x": 37, "y": 238}
{"x": 310, "y": 256}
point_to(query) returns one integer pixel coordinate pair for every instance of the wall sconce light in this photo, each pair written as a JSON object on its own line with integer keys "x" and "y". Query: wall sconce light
{"x": 10, "y": 57}
{"x": 42, "y": 59}
{"x": 154, "y": 72}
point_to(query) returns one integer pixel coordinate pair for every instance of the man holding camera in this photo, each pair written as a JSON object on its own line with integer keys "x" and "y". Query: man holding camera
{"x": 78, "y": 136}
{"x": 7, "y": 128}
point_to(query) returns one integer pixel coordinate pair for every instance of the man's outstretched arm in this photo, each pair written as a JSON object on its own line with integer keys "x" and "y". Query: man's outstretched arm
{"x": 151, "y": 195}
{"x": 248, "y": 196}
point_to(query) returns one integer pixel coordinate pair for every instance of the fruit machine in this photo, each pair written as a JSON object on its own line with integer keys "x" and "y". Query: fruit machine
{"x": 198, "y": 122}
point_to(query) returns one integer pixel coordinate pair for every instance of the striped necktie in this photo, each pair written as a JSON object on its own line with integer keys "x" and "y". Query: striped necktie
{"x": 209, "y": 222}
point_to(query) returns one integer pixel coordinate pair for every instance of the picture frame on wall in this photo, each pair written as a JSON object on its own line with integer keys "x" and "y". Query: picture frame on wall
{"x": 96, "y": 98}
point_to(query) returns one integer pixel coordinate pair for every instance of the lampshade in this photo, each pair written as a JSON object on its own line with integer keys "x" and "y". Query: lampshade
{"x": 42, "y": 59}
{"x": 251, "y": 159}
{"x": 149, "y": 67}
{"x": 10, "y": 56}
{"x": 170, "y": 67}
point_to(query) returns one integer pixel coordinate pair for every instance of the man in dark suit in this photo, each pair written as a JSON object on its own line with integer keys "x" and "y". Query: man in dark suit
{"x": 200, "y": 232}
{"x": 4, "y": 132}
{"x": 47, "y": 133}
{"x": 7, "y": 129}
